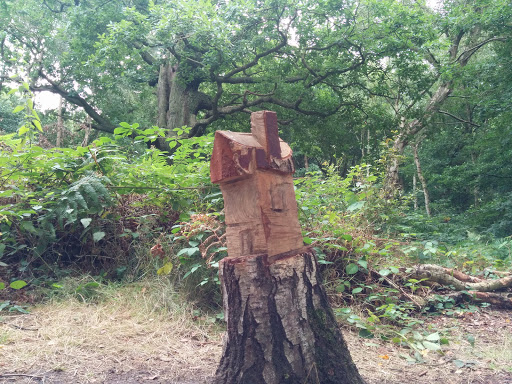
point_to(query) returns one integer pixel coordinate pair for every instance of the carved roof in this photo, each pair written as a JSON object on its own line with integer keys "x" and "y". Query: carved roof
{"x": 238, "y": 154}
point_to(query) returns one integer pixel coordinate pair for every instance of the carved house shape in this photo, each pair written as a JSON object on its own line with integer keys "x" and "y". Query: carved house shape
{"x": 255, "y": 171}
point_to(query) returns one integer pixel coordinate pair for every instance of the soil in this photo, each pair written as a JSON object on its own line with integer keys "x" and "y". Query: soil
{"x": 87, "y": 344}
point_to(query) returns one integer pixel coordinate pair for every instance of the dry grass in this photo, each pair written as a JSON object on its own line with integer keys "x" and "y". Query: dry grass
{"x": 133, "y": 328}
{"x": 138, "y": 333}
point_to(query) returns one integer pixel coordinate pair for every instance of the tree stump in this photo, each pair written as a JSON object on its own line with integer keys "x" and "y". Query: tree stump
{"x": 280, "y": 326}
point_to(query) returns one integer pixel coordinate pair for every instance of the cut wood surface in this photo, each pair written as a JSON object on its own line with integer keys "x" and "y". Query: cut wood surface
{"x": 261, "y": 215}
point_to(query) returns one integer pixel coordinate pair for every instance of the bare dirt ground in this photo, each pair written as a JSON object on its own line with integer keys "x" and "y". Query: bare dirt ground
{"x": 130, "y": 339}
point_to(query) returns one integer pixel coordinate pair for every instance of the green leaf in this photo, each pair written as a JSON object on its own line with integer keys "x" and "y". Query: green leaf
{"x": 307, "y": 240}
{"x": 357, "y": 290}
{"x": 431, "y": 346}
{"x": 18, "y": 108}
{"x": 97, "y": 236}
{"x": 384, "y": 272}
{"x": 85, "y": 222}
{"x": 366, "y": 334}
{"x": 351, "y": 269}
{"x": 459, "y": 363}
{"x": 120, "y": 131}
{"x": 363, "y": 263}
{"x": 2, "y": 286}
{"x": 28, "y": 226}
{"x": 356, "y": 206}
{"x": 188, "y": 251}
{"x": 165, "y": 270}
{"x": 18, "y": 308}
{"x": 38, "y": 125}
{"x": 433, "y": 337}
{"x": 471, "y": 340}
{"x": 18, "y": 284}
{"x": 194, "y": 268}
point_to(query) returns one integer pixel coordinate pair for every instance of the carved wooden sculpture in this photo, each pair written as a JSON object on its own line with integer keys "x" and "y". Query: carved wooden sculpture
{"x": 280, "y": 327}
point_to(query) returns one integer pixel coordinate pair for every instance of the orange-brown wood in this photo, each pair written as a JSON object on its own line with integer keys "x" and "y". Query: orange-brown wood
{"x": 265, "y": 131}
{"x": 254, "y": 171}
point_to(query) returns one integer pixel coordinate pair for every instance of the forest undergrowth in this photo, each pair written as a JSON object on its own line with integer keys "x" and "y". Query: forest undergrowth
{"x": 119, "y": 213}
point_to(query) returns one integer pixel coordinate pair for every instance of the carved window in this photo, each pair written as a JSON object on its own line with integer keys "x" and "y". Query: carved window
{"x": 277, "y": 198}
{"x": 246, "y": 242}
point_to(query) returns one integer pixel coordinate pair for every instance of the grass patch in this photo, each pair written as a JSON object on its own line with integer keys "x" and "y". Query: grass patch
{"x": 142, "y": 324}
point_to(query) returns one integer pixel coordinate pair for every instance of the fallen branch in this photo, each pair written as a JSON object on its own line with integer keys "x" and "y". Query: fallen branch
{"x": 498, "y": 300}
{"x": 458, "y": 280}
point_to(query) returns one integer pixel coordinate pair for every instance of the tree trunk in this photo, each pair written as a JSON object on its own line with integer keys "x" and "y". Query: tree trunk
{"x": 60, "y": 124}
{"x": 178, "y": 101}
{"x": 407, "y": 131}
{"x": 414, "y": 192}
{"x": 392, "y": 182}
{"x": 87, "y": 129}
{"x": 422, "y": 179}
{"x": 280, "y": 327}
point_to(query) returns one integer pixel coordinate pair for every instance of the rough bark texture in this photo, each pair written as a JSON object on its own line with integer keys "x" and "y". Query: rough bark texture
{"x": 280, "y": 327}
{"x": 422, "y": 179}
{"x": 60, "y": 123}
{"x": 178, "y": 101}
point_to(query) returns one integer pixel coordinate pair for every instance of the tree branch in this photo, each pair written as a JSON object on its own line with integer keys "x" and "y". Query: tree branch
{"x": 252, "y": 63}
{"x": 459, "y": 119}
{"x": 464, "y": 57}
{"x": 103, "y": 124}
{"x": 146, "y": 56}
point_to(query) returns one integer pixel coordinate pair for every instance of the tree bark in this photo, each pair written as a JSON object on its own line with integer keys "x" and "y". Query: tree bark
{"x": 280, "y": 326}
{"x": 414, "y": 192}
{"x": 422, "y": 179}
{"x": 178, "y": 101}
{"x": 60, "y": 124}
{"x": 87, "y": 129}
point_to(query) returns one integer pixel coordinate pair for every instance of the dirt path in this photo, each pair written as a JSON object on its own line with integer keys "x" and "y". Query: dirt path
{"x": 115, "y": 343}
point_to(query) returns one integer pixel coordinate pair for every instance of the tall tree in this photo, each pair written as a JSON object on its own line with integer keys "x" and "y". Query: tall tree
{"x": 205, "y": 60}
{"x": 462, "y": 29}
